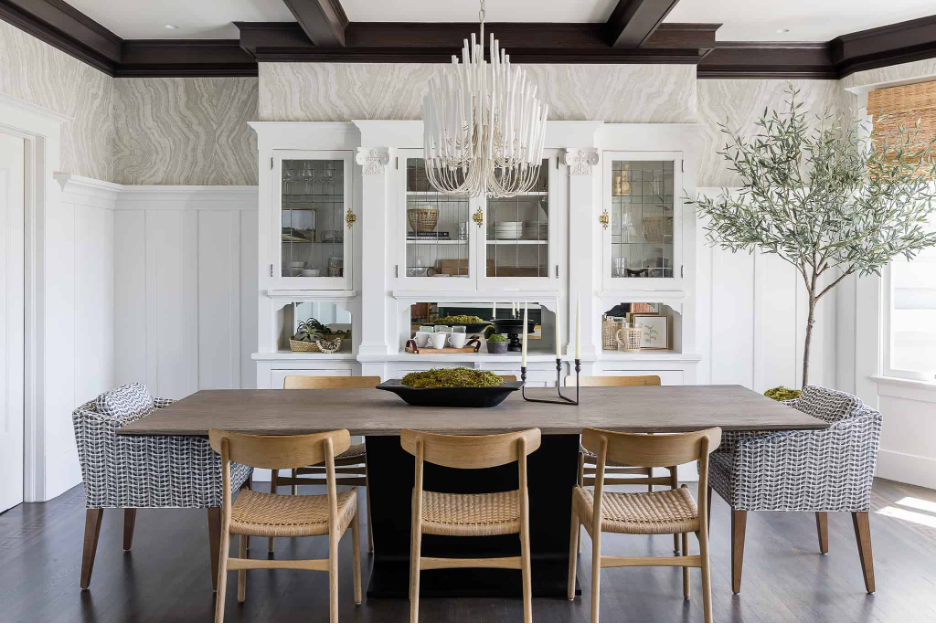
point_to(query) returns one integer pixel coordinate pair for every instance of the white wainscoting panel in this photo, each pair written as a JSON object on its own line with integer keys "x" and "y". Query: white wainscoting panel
{"x": 79, "y": 266}
{"x": 186, "y": 288}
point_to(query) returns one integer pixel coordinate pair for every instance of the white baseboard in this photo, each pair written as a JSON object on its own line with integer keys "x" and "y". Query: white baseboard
{"x": 906, "y": 468}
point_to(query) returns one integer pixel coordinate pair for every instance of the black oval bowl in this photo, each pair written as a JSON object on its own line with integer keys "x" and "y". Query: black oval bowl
{"x": 451, "y": 397}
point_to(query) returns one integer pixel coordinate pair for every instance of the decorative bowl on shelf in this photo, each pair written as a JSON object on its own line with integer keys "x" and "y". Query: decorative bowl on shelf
{"x": 422, "y": 218}
{"x": 451, "y": 397}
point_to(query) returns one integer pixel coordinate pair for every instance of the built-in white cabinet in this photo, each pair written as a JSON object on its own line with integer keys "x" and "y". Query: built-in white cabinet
{"x": 462, "y": 243}
{"x": 349, "y": 218}
{"x": 313, "y": 213}
{"x": 641, "y": 221}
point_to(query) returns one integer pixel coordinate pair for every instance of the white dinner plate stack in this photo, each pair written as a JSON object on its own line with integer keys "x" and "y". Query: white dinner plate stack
{"x": 508, "y": 230}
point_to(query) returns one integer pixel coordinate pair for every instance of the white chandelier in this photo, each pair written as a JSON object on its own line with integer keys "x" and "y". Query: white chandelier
{"x": 484, "y": 128}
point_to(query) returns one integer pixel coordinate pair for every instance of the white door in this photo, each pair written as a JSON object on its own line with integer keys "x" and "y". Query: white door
{"x": 12, "y": 318}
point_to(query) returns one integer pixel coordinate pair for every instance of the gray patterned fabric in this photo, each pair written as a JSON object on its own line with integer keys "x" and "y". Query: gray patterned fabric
{"x": 144, "y": 471}
{"x": 827, "y": 470}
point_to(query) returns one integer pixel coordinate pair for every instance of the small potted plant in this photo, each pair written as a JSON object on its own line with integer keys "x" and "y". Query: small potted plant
{"x": 497, "y": 343}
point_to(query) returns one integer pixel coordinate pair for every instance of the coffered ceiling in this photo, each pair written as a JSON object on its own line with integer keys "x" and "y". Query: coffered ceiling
{"x": 723, "y": 38}
{"x": 741, "y": 20}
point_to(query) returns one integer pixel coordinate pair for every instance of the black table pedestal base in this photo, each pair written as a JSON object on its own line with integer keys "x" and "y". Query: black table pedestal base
{"x": 552, "y": 474}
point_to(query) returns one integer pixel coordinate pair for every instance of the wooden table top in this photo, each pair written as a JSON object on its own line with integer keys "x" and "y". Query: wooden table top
{"x": 377, "y": 412}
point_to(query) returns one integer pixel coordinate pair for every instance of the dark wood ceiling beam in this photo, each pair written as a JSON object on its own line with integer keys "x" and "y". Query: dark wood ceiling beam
{"x": 437, "y": 42}
{"x": 758, "y": 59}
{"x": 912, "y": 40}
{"x": 632, "y": 22}
{"x": 185, "y": 58}
{"x": 323, "y": 21}
{"x": 65, "y": 28}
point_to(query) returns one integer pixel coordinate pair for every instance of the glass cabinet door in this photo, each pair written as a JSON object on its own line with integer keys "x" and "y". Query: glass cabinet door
{"x": 314, "y": 192}
{"x": 518, "y": 232}
{"x": 643, "y": 222}
{"x": 435, "y": 229}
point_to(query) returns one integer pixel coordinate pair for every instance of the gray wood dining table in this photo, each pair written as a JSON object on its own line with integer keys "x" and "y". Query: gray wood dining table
{"x": 381, "y": 416}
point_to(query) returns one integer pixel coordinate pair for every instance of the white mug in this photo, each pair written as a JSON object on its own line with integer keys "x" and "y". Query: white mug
{"x": 422, "y": 338}
{"x": 458, "y": 340}
{"x": 438, "y": 340}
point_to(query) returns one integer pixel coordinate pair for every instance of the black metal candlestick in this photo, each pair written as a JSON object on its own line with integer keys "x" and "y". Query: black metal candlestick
{"x": 564, "y": 399}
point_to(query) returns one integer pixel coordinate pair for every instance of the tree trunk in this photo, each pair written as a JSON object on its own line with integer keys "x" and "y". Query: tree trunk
{"x": 810, "y": 321}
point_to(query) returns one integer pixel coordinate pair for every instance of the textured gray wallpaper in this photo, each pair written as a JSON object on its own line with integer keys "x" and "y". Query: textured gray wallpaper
{"x": 185, "y": 131}
{"x": 346, "y": 91}
{"x": 33, "y": 71}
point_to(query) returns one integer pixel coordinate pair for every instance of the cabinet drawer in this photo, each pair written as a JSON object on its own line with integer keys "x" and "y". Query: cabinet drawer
{"x": 278, "y": 377}
{"x": 667, "y": 377}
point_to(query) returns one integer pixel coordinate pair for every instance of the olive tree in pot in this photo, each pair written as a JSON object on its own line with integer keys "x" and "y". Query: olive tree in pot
{"x": 830, "y": 198}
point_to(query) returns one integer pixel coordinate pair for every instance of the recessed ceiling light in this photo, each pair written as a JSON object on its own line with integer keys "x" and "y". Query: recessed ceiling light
{"x": 779, "y": 30}
{"x": 171, "y": 27}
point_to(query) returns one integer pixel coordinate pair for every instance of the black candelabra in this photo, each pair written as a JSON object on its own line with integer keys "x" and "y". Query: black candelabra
{"x": 563, "y": 400}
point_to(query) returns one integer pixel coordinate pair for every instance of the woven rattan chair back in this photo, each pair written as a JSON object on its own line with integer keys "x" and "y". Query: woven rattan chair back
{"x": 276, "y": 452}
{"x": 300, "y": 382}
{"x": 614, "y": 380}
{"x": 470, "y": 452}
{"x": 650, "y": 451}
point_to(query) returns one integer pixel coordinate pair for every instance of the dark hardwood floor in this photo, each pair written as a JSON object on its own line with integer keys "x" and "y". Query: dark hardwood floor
{"x": 165, "y": 577}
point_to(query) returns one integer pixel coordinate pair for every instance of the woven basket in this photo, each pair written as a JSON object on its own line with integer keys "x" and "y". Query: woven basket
{"x": 609, "y": 329}
{"x": 422, "y": 219}
{"x": 655, "y": 228}
{"x": 301, "y": 346}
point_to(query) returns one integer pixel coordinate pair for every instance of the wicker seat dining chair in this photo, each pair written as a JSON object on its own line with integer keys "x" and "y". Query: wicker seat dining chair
{"x": 644, "y": 513}
{"x": 588, "y": 462}
{"x": 470, "y": 515}
{"x": 136, "y": 472}
{"x": 351, "y": 466}
{"x": 809, "y": 471}
{"x": 268, "y": 515}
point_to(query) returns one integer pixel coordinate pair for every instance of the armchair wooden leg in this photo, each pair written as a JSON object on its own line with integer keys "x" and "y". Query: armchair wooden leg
{"x": 738, "y": 525}
{"x": 674, "y": 484}
{"x": 356, "y": 563}
{"x": 581, "y": 483}
{"x": 92, "y": 532}
{"x": 222, "y": 562}
{"x": 214, "y": 542}
{"x": 706, "y": 574}
{"x": 274, "y": 477}
{"x": 685, "y": 570}
{"x": 295, "y": 488}
{"x": 822, "y": 528}
{"x": 242, "y": 541}
{"x": 863, "y": 537}
{"x": 415, "y": 554}
{"x": 129, "y": 522}
{"x": 574, "y": 537}
{"x": 596, "y": 575}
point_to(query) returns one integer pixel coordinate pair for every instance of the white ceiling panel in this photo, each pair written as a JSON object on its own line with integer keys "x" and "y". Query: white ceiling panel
{"x": 806, "y": 20}
{"x": 194, "y": 19}
{"x": 467, "y": 10}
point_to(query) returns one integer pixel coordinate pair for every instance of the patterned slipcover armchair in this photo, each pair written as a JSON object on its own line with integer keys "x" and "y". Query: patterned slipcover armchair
{"x": 811, "y": 471}
{"x": 133, "y": 472}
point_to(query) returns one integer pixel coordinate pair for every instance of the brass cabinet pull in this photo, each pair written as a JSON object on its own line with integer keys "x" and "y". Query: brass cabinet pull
{"x": 604, "y": 219}
{"x": 478, "y": 217}
{"x": 350, "y": 218}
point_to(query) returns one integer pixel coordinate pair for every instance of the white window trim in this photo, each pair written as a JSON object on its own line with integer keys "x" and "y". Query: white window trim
{"x": 887, "y": 304}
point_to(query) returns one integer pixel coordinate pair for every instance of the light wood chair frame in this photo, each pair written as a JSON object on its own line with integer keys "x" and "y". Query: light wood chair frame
{"x": 349, "y": 471}
{"x": 586, "y": 471}
{"x": 652, "y": 452}
{"x": 283, "y": 452}
{"x": 470, "y": 452}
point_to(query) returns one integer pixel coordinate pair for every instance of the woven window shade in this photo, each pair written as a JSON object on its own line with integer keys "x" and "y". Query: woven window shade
{"x": 904, "y": 106}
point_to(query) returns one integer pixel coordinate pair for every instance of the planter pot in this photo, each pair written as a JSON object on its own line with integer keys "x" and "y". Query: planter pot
{"x": 497, "y": 347}
{"x": 451, "y": 397}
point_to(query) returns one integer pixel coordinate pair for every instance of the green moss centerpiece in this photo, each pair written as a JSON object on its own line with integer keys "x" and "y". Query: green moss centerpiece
{"x": 452, "y": 387}
{"x": 460, "y": 377}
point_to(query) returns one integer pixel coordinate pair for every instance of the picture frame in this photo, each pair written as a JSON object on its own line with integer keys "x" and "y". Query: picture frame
{"x": 655, "y": 334}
